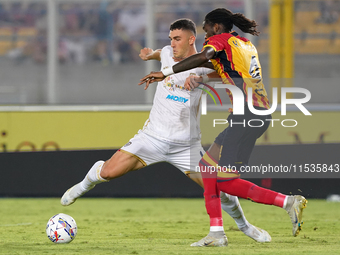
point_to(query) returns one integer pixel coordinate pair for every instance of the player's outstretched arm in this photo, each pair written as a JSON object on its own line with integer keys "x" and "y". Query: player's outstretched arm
{"x": 151, "y": 78}
{"x": 191, "y": 62}
{"x": 208, "y": 65}
{"x": 149, "y": 54}
{"x": 195, "y": 60}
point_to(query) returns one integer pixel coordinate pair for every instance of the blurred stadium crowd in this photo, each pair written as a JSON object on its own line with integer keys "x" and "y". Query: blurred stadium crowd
{"x": 107, "y": 31}
{"x": 110, "y": 33}
{"x": 114, "y": 31}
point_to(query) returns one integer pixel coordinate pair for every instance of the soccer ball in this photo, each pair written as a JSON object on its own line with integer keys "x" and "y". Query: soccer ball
{"x": 61, "y": 228}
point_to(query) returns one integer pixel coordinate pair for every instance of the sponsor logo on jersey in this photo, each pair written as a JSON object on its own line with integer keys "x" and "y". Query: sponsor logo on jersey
{"x": 177, "y": 99}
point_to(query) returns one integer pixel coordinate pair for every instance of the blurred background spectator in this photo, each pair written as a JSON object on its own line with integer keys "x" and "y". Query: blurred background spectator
{"x": 328, "y": 12}
{"x": 130, "y": 31}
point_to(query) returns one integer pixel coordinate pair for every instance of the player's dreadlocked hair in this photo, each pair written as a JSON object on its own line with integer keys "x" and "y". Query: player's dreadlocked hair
{"x": 228, "y": 19}
{"x": 184, "y": 24}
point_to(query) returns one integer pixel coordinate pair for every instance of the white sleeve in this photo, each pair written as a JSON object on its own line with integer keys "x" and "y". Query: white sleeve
{"x": 166, "y": 52}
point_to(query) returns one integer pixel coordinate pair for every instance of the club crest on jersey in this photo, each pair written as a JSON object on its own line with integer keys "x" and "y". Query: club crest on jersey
{"x": 177, "y": 99}
{"x": 235, "y": 43}
{"x": 129, "y": 143}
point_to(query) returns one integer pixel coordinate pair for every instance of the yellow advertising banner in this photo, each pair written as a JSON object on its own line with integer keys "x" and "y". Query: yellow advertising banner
{"x": 26, "y": 131}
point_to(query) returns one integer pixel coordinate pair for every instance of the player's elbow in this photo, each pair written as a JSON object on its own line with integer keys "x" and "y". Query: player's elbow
{"x": 208, "y": 53}
{"x": 201, "y": 58}
{"x": 204, "y": 57}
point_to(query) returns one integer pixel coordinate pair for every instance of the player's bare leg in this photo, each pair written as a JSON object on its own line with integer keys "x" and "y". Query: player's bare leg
{"x": 119, "y": 164}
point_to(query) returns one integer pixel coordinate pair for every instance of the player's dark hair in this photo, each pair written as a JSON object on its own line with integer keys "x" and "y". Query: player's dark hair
{"x": 184, "y": 24}
{"x": 228, "y": 19}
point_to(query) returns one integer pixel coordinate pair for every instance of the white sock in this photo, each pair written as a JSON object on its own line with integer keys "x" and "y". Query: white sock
{"x": 93, "y": 176}
{"x": 216, "y": 231}
{"x": 285, "y": 202}
{"x": 216, "y": 228}
{"x": 91, "y": 179}
{"x": 288, "y": 203}
{"x": 231, "y": 205}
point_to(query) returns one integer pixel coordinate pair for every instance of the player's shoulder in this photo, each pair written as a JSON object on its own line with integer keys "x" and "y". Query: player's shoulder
{"x": 219, "y": 37}
{"x": 218, "y": 42}
{"x": 166, "y": 52}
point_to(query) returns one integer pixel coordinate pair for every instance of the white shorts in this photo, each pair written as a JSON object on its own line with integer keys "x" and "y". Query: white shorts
{"x": 150, "y": 150}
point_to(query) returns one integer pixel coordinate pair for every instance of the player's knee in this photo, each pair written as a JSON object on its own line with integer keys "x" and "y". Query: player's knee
{"x": 112, "y": 170}
{"x": 109, "y": 172}
{"x": 104, "y": 172}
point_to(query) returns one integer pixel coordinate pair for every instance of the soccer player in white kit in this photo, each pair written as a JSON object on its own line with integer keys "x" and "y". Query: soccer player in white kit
{"x": 172, "y": 132}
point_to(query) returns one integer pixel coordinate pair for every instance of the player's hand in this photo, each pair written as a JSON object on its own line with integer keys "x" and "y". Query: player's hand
{"x": 151, "y": 78}
{"x": 192, "y": 82}
{"x": 145, "y": 53}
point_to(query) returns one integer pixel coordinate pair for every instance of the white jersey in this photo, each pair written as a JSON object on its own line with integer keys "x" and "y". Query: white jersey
{"x": 175, "y": 116}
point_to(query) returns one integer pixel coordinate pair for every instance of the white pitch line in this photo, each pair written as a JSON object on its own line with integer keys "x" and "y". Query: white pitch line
{"x": 14, "y": 225}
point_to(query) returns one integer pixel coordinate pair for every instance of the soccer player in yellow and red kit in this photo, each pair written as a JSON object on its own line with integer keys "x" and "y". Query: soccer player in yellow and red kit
{"x": 236, "y": 61}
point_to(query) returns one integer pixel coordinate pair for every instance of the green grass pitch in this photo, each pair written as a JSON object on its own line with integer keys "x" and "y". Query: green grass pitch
{"x": 161, "y": 226}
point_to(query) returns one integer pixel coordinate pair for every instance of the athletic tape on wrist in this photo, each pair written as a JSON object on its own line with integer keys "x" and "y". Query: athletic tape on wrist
{"x": 168, "y": 71}
{"x": 205, "y": 78}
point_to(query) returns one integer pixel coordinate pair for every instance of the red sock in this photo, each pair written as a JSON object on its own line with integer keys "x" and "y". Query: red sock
{"x": 249, "y": 190}
{"x": 211, "y": 194}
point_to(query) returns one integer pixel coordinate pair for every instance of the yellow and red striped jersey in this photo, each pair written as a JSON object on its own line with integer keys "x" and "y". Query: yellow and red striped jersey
{"x": 237, "y": 62}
